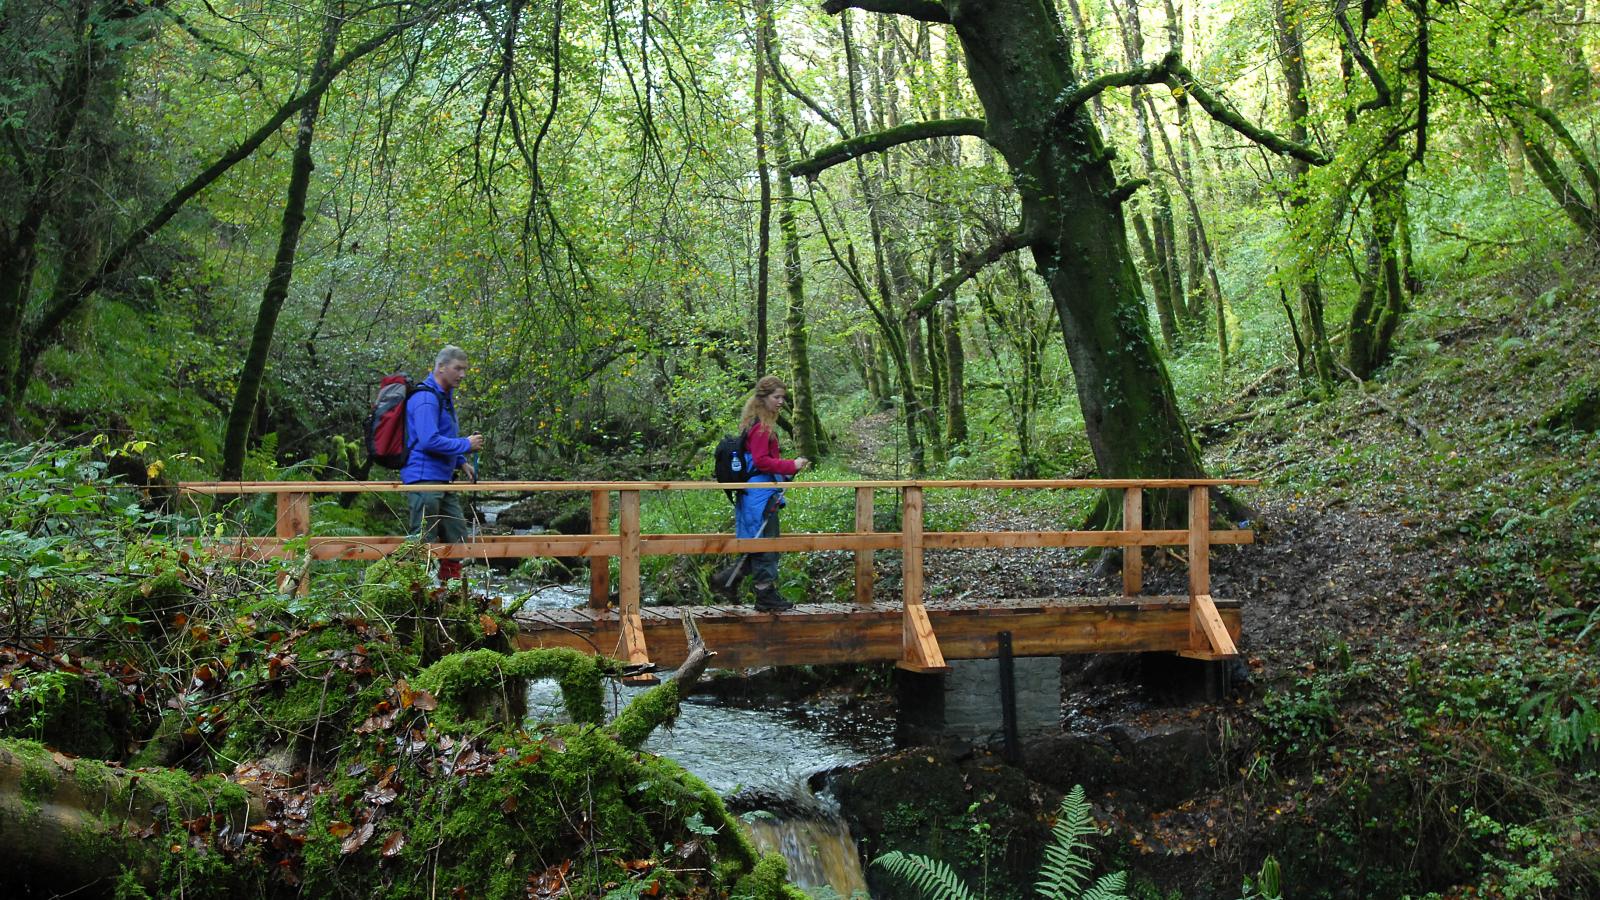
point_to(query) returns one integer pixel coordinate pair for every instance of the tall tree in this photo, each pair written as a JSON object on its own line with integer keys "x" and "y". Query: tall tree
{"x": 764, "y": 227}
{"x": 807, "y": 424}
{"x": 1159, "y": 241}
{"x": 1292, "y": 58}
{"x": 301, "y": 164}
{"x": 1072, "y": 219}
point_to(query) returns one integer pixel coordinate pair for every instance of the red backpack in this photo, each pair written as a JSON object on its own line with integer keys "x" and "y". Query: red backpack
{"x": 386, "y": 428}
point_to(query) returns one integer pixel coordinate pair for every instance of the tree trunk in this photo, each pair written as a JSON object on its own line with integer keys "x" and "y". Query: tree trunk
{"x": 1164, "y": 311}
{"x": 88, "y": 89}
{"x": 1017, "y": 59}
{"x": 254, "y": 370}
{"x": 1162, "y": 254}
{"x": 77, "y": 823}
{"x": 1381, "y": 300}
{"x": 764, "y": 228}
{"x": 896, "y": 335}
{"x": 1291, "y": 55}
{"x": 808, "y": 426}
{"x": 956, "y": 431}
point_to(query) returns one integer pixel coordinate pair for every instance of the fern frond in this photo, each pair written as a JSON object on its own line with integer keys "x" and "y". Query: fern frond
{"x": 1109, "y": 887}
{"x": 1065, "y": 868}
{"x": 933, "y": 879}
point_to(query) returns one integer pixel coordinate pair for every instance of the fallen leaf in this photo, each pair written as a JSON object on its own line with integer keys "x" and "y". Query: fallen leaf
{"x": 394, "y": 843}
{"x": 357, "y": 840}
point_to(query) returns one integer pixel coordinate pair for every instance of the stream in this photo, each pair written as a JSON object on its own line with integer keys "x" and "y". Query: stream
{"x": 763, "y": 756}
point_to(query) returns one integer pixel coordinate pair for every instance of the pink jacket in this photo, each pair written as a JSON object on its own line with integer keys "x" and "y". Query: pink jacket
{"x": 762, "y": 445}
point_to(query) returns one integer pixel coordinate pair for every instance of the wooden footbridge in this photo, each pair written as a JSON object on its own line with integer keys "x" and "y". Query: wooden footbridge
{"x": 913, "y": 632}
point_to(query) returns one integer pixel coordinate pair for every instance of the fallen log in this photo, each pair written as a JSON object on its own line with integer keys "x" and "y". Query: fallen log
{"x": 79, "y": 823}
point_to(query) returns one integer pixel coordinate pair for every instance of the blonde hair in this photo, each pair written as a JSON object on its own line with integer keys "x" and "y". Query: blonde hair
{"x": 755, "y": 409}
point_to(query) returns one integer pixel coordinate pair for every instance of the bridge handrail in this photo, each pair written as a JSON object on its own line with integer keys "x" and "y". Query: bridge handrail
{"x": 1208, "y": 636}
{"x": 384, "y": 487}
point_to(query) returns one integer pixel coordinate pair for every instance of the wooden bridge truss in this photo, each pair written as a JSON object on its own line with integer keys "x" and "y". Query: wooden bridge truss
{"x": 910, "y": 632}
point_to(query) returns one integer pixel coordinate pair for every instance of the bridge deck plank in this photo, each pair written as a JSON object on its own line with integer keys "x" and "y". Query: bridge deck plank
{"x": 822, "y": 633}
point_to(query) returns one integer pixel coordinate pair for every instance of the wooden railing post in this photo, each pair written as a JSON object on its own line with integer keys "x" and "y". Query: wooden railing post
{"x": 864, "y": 574}
{"x": 1199, "y": 540}
{"x": 920, "y": 647}
{"x": 294, "y": 520}
{"x": 628, "y": 588}
{"x": 599, "y": 566}
{"x": 1132, "y": 553}
{"x": 1208, "y": 636}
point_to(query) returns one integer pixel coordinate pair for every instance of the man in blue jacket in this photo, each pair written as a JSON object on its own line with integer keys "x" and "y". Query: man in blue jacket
{"x": 434, "y": 452}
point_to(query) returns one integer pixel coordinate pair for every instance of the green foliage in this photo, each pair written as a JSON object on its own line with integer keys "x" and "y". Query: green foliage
{"x": 934, "y": 879}
{"x": 1066, "y": 869}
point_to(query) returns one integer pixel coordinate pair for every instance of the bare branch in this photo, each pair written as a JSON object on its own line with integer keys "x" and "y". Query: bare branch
{"x": 973, "y": 262}
{"x": 1173, "y": 73}
{"x": 1353, "y": 44}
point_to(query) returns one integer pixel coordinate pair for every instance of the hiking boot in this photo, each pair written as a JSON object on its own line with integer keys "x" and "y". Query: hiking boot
{"x": 769, "y": 600}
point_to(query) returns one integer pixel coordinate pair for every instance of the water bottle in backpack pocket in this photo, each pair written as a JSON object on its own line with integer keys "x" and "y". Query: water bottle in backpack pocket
{"x": 732, "y": 464}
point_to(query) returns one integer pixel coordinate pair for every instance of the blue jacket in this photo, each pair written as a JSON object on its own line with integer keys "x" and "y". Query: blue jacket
{"x": 432, "y": 439}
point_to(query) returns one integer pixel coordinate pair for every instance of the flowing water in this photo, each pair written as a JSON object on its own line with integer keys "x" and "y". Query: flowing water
{"x": 770, "y": 751}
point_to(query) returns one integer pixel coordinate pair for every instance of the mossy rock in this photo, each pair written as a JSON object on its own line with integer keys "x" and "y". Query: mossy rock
{"x": 569, "y": 799}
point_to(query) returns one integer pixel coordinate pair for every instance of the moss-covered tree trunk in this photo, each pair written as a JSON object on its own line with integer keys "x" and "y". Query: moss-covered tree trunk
{"x": 55, "y": 169}
{"x": 1381, "y": 300}
{"x": 252, "y": 373}
{"x": 1291, "y": 56}
{"x": 1018, "y": 61}
{"x": 807, "y": 424}
{"x": 764, "y": 225}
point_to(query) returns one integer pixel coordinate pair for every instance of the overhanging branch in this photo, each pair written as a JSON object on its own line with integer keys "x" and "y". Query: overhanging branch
{"x": 973, "y": 262}
{"x": 1173, "y": 73}
{"x": 926, "y": 10}
{"x": 878, "y": 141}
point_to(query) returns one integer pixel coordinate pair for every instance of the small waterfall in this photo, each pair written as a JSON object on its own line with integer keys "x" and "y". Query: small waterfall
{"x": 817, "y": 844}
